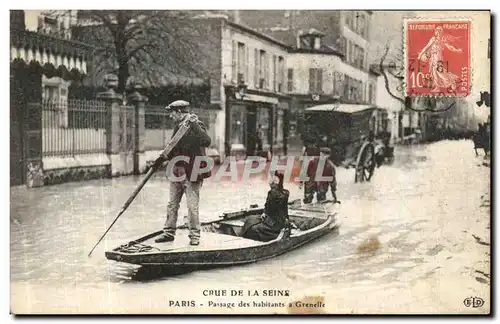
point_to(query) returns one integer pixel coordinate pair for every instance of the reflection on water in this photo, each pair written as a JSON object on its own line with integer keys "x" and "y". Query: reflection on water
{"x": 423, "y": 211}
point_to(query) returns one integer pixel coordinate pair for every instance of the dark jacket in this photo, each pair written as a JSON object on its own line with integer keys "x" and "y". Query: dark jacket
{"x": 328, "y": 171}
{"x": 193, "y": 144}
{"x": 276, "y": 208}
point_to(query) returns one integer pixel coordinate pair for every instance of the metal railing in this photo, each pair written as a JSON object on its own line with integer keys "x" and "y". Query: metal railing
{"x": 159, "y": 127}
{"x": 71, "y": 127}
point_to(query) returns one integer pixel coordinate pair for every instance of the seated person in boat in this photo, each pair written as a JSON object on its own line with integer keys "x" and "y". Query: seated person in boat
{"x": 268, "y": 226}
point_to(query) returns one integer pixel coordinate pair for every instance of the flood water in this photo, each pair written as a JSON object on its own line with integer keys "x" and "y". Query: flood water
{"x": 428, "y": 214}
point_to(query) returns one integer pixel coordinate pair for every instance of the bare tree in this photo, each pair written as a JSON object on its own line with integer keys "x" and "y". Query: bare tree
{"x": 432, "y": 104}
{"x": 150, "y": 45}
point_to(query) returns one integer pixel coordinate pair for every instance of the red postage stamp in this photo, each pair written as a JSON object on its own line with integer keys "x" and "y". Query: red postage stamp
{"x": 437, "y": 57}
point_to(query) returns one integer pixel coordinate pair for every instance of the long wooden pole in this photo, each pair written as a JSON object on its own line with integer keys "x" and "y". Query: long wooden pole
{"x": 171, "y": 144}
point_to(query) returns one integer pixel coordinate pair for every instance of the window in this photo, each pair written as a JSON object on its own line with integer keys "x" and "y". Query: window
{"x": 263, "y": 124}
{"x": 371, "y": 93}
{"x": 353, "y": 89}
{"x": 290, "y": 80}
{"x": 306, "y": 42}
{"x": 315, "y": 80}
{"x": 346, "y": 89}
{"x": 341, "y": 45}
{"x": 338, "y": 84}
{"x": 281, "y": 73}
{"x": 360, "y": 91}
{"x": 50, "y": 93}
{"x": 350, "y": 55}
{"x": 348, "y": 19}
{"x": 55, "y": 96}
{"x": 247, "y": 65}
{"x": 361, "y": 25}
{"x": 364, "y": 88}
{"x": 263, "y": 72}
{"x": 242, "y": 66}
{"x": 355, "y": 17}
{"x": 238, "y": 121}
{"x": 317, "y": 43}
{"x": 367, "y": 24}
{"x": 354, "y": 55}
{"x": 361, "y": 58}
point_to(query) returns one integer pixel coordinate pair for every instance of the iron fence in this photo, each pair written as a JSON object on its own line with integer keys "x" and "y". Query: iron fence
{"x": 160, "y": 126}
{"x": 71, "y": 127}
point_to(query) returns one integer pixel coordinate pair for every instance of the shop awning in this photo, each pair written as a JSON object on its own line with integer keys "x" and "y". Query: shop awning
{"x": 50, "y": 52}
{"x": 342, "y": 108}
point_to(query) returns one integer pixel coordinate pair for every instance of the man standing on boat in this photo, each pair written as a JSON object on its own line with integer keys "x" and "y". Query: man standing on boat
{"x": 193, "y": 144}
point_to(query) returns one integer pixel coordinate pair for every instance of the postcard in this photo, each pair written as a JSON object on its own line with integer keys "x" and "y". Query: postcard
{"x": 250, "y": 162}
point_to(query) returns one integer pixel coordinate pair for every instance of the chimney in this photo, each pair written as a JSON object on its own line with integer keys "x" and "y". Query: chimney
{"x": 299, "y": 33}
{"x": 237, "y": 16}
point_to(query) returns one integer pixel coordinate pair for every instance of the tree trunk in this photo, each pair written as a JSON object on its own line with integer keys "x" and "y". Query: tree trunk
{"x": 123, "y": 75}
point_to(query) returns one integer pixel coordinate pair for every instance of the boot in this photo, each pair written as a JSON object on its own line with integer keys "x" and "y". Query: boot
{"x": 164, "y": 238}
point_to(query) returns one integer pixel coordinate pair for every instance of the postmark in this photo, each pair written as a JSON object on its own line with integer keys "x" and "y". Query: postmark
{"x": 437, "y": 57}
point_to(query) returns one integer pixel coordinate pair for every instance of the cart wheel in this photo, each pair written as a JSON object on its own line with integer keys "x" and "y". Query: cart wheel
{"x": 365, "y": 163}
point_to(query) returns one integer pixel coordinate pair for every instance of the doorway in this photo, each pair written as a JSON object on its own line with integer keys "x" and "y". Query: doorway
{"x": 251, "y": 130}
{"x": 17, "y": 103}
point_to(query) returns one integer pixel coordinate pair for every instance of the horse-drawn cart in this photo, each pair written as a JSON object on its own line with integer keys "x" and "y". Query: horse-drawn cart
{"x": 349, "y": 131}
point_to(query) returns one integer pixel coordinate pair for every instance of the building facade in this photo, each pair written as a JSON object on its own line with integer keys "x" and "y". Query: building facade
{"x": 54, "y": 23}
{"x": 394, "y": 108}
{"x": 327, "y": 57}
{"x": 43, "y": 60}
{"x": 256, "y": 63}
{"x": 266, "y": 67}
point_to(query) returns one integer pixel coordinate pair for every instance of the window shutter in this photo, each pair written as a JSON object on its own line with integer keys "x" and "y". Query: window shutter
{"x": 290, "y": 80}
{"x": 247, "y": 63}
{"x": 334, "y": 89}
{"x": 282, "y": 74}
{"x": 266, "y": 71}
{"x": 319, "y": 81}
{"x": 365, "y": 90}
{"x": 256, "y": 69}
{"x": 349, "y": 51}
{"x": 347, "y": 85}
{"x": 312, "y": 80}
{"x": 234, "y": 76}
{"x": 275, "y": 73}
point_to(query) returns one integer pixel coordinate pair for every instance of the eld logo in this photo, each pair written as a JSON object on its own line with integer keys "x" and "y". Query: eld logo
{"x": 474, "y": 302}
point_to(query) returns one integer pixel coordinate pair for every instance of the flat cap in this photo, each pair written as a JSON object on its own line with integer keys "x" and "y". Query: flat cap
{"x": 325, "y": 150}
{"x": 178, "y": 105}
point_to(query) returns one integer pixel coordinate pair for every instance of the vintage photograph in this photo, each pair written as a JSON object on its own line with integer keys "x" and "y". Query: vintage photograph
{"x": 250, "y": 162}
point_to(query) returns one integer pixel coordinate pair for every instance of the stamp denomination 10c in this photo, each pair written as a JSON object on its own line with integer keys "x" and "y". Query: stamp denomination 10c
{"x": 437, "y": 57}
